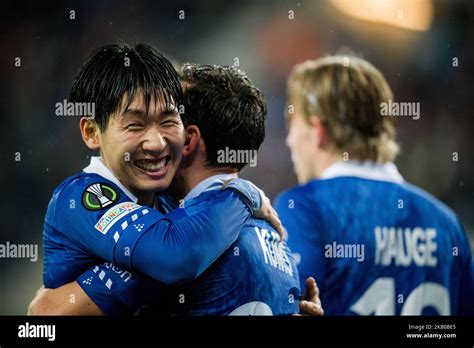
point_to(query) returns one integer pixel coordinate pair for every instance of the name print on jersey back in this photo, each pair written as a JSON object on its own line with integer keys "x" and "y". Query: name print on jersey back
{"x": 405, "y": 246}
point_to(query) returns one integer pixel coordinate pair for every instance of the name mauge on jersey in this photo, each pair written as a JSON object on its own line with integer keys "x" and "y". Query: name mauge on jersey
{"x": 404, "y": 246}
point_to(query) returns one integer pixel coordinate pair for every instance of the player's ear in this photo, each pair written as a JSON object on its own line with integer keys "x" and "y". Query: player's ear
{"x": 193, "y": 137}
{"x": 90, "y": 133}
{"x": 320, "y": 131}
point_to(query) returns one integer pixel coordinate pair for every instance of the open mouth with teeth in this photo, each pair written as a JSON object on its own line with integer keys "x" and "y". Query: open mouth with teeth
{"x": 153, "y": 167}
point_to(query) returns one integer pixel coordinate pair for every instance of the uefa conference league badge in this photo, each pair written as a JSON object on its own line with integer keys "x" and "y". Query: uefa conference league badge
{"x": 98, "y": 196}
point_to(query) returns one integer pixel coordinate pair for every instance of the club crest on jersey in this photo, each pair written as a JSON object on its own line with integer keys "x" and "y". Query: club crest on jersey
{"x": 99, "y": 196}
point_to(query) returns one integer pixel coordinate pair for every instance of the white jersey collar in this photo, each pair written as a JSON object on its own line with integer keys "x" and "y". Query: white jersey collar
{"x": 98, "y": 167}
{"x": 211, "y": 183}
{"x": 364, "y": 169}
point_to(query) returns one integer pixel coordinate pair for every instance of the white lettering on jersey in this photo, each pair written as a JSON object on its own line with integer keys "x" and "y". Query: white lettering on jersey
{"x": 125, "y": 275}
{"x": 273, "y": 251}
{"x": 403, "y": 247}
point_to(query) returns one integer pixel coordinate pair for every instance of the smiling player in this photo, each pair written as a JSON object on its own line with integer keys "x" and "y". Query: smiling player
{"x": 256, "y": 275}
{"x": 107, "y": 211}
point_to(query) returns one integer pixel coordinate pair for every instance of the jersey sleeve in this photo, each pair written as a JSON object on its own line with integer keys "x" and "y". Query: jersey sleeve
{"x": 304, "y": 235}
{"x": 119, "y": 292}
{"x": 109, "y": 226}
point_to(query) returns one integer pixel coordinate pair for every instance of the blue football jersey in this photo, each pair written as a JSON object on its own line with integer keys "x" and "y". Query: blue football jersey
{"x": 92, "y": 218}
{"x": 257, "y": 275}
{"x": 378, "y": 245}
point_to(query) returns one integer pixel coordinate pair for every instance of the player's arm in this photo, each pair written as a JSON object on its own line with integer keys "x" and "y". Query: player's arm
{"x": 68, "y": 299}
{"x": 166, "y": 249}
{"x": 103, "y": 290}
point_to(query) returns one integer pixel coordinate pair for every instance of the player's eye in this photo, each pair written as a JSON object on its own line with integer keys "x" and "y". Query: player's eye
{"x": 171, "y": 121}
{"x": 134, "y": 126}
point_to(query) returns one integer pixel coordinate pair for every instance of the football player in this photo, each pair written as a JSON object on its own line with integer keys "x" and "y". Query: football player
{"x": 377, "y": 244}
{"x": 126, "y": 291}
{"x": 107, "y": 211}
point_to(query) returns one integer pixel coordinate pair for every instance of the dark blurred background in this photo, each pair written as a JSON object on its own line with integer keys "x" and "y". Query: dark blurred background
{"x": 415, "y": 43}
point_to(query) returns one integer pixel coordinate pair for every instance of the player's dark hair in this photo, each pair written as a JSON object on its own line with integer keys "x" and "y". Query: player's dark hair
{"x": 228, "y": 109}
{"x": 115, "y": 70}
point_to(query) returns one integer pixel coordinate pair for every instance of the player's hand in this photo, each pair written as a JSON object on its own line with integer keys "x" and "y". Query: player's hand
{"x": 311, "y": 303}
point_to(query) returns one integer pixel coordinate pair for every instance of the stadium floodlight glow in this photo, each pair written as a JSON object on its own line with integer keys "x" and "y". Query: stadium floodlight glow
{"x": 407, "y": 14}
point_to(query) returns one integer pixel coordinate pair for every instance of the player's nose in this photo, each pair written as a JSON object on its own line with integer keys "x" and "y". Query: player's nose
{"x": 154, "y": 141}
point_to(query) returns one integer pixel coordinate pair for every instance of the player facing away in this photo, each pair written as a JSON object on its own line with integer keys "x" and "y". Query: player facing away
{"x": 256, "y": 275}
{"x": 106, "y": 213}
{"x": 376, "y": 244}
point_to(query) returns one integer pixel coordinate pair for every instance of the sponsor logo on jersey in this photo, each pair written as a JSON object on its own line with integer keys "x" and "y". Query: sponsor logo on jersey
{"x": 99, "y": 196}
{"x": 114, "y": 214}
{"x": 102, "y": 275}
